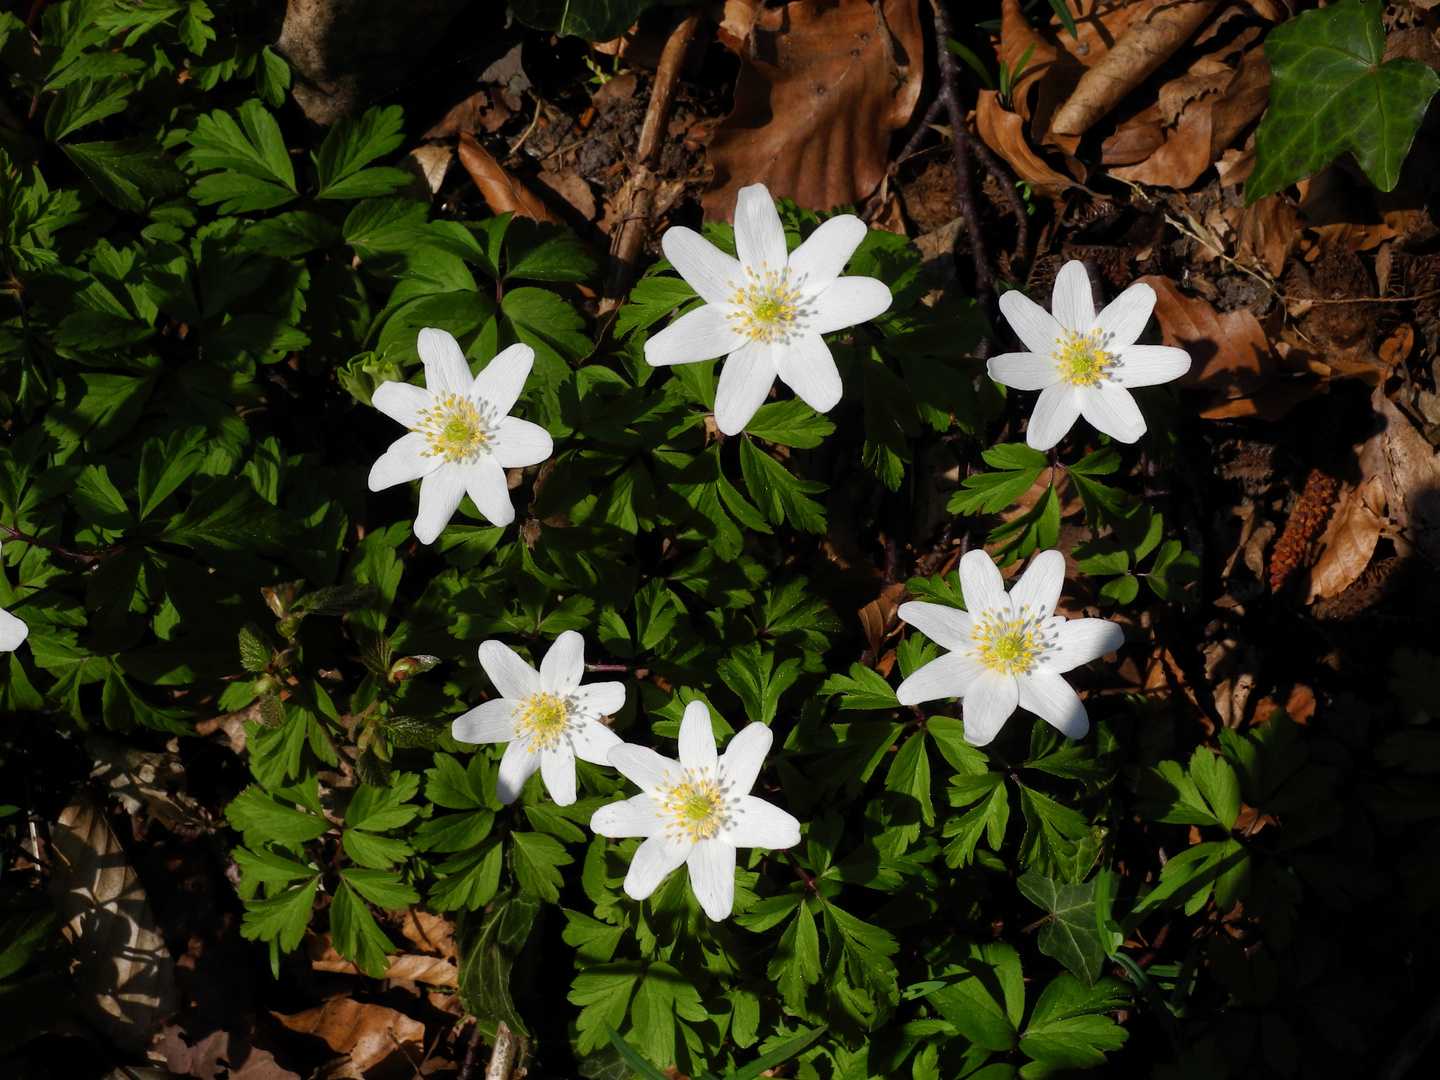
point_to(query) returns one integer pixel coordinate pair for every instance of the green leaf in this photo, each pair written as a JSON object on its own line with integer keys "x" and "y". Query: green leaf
{"x": 165, "y": 466}
{"x": 789, "y": 423}
{"x": 350, "y": 145}
{"x": 589, "y": 20}
{"x": 537, "y": 859}
{"x": 541, "y": 251}
{"x": 1017, "y": 468}
{"x": 354, "y": 933}
{"x": 281, "y": 918}
{"x": 22, "y": 935}
{"x": 1071, "y": 935}
{"x": 225, "y": 515}
{"x": 98, "y": 500}
{"x": 780, "y": 495}
{"x": 1332, "y": 90}
{"x": 381, "y": 887}
{"x": 129, "y": 174}
{"x": 1065, "y": 1029}
{"x": 632, "y": 1057}
{"x": 863, "y": 688}
{"x": 83, "y": 102}
{"x": 265, "y": 866}
{"x": 261, "y": 819}
{"x": 255, "y": 170}
{"x": 650, "y": 301}
{"x": 488, "y": 948}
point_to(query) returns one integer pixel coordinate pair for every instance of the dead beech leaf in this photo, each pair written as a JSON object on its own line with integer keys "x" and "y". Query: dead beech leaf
{"x": 1410, "y": 472}
{"x": 1349, "y": 539}
{"x": 879, "y": 619}
{"x": 1148, "y": 41}
{"x": 123, "y": 973}
{"x": 503, "y": 192}
{"x": 1269, "y": 230}
{"x": 1183, "y": 154}
{"x": 217, "y": 1053}
{"x": 1004, "y": 132}
{"x": 822, "y": 86}
{"x": 1229, "y": 352}
{"x": 429, "y": 163}
{"x": 381, "y": 1043}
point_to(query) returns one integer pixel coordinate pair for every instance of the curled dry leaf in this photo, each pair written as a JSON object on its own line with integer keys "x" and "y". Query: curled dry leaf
{"x": 1148, "y": 41}
{"x": 1004, "y": 132}
{"x": 380, "y": 1042}
{"x": 1349, "y": 540}
{"x": 503, "y": 193}
{"x": 821, "y": 88}
{"x": 1408, "y": 469}
{"x": 124, "y": 975}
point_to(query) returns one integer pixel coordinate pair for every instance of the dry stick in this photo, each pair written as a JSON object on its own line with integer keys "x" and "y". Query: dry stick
{"x": 502, "y": 1058}
{"x": 92, "y": 559}
{"x": 638, "y": 195}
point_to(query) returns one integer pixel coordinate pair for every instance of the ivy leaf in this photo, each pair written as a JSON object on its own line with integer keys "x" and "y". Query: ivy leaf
{"x": 1332, "y": 90}
{"x": 1071, "y": 935}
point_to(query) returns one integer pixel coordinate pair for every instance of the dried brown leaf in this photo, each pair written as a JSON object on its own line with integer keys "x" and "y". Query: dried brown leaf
{"x": 380, "y": 1042}
{"x": 822, "y": 86}
{"x": 503, "y": 192}
{"x": 1349, "y": 540}
{"x": 1004, "y": 132}
{"x": 1181, "y": 157}
{"x": 1409, "y": 470}
{"x": 1229, "y": 352}
{"x": 215, "y": 1054}
{"x": 124, "y": 976}
{"x": 1152, "y": 36}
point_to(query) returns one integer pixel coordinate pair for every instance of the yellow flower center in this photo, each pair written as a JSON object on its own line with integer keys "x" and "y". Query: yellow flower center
{"x": 455, "y": 428}
{"x": 1009, "y": 646}
{"x": 1080, "y": 359}
{"x": 542, "y": 720}
{"x": 766, "y": 305}
{"x": 695, "y": 808}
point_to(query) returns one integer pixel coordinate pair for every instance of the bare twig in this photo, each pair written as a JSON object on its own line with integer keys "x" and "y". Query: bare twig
{"x": 637, "y": 197}
{"x": 472, "y": 1054}
{"x": 502, "y": 1058}
{"x": 91, "y": 559}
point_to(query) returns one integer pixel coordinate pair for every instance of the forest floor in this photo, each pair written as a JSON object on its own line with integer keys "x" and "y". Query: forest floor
{"x": 1301, "y": 467}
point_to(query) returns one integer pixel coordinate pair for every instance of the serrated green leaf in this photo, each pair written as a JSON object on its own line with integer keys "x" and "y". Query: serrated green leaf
{"x": 779, "y": 494}
{"x": 262, "y": 819}
{"x": 353, "y": 930}
{"x": 789, "y": 423}
{"x": 537, "y": 860}
{"x": 489, "y": 946}
{"x": 281, "y": 918}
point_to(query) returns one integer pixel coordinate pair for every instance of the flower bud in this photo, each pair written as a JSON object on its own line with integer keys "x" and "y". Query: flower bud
{"x": 407, "y": 667}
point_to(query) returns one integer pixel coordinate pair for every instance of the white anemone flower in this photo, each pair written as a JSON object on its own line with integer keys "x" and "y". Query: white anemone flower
{"x": 546, "y": 716}
{"x": 765, "y": 311}
{"x": 696, "y": 810}
{"x": 13, "y": 631}
{"x": 1008, "y": 649}
{"x": 1084, "y": 364}
{"x": 461, "y": 441}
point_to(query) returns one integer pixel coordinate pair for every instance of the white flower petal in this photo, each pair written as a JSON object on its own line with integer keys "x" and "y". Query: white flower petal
{"x": 759, "y": 236}
{"x": 446, "y": 370}
{"x": 490, "y": 721}
{"x": 557, "y": 766}
{"x": 745, "y": 383}
{"x": 1039, "y": 587}
{"x": 1073, "y": 301}
{"x": 697, "y": 738}
{"x": 847, "y": 301}
{"x": 602, "y": 698}
{"x": 705, "y": 268}
{"x": 1110, "y": 408}
{"x": 519, "y": 443}
{"x": 593, "y": 741}
{"x": 991, "y": 700}
{"x": 805, "y": 365}
{"x": 440, "y": 495}
{"x": 1036, "y": 328}
{"x": 644, "y": 767}
{"x": 653, "y": 862}
{"x": 712, "y": 876}
{"x": 402, "y": 402}
{"x": 634, "y": 816}
{"x": 499, "y": 386}
{"x": 1055, "y": 414}
{"x": 12, "y": 632}
{"x": 488, "y": 489}
{"x": 516, "y": 767}
{"x": 745, "y": 757}
{"x": 512, "y": 677}
{"x": 1149, "y": 365}
{"x": 757, "y": 823}
{"x": 403, "y": 462}
{"x": 981, "y": 582}
{"x": 1023, "y": 370}
{"x": 949, "y": 676}
{"x": 702, "y": 334}
{"x": 1078, "y": 641}
{"x": 822, "y": 256}
{"x": 1124, "y": 318}
{"x": 941, "y": 623}
{"x": 1049, "y": 697}
{"x": 564, "y": 664}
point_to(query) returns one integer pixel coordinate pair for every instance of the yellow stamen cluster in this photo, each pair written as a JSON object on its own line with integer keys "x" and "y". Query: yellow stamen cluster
{"x": 454, "y": 427}
{"x": 1004, "y": 644}
{"x": 542, "y": 720}
{"x": 695, "y": 808}
{"x": 766, "y": 304}
{"x": 1080, "y": 359}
